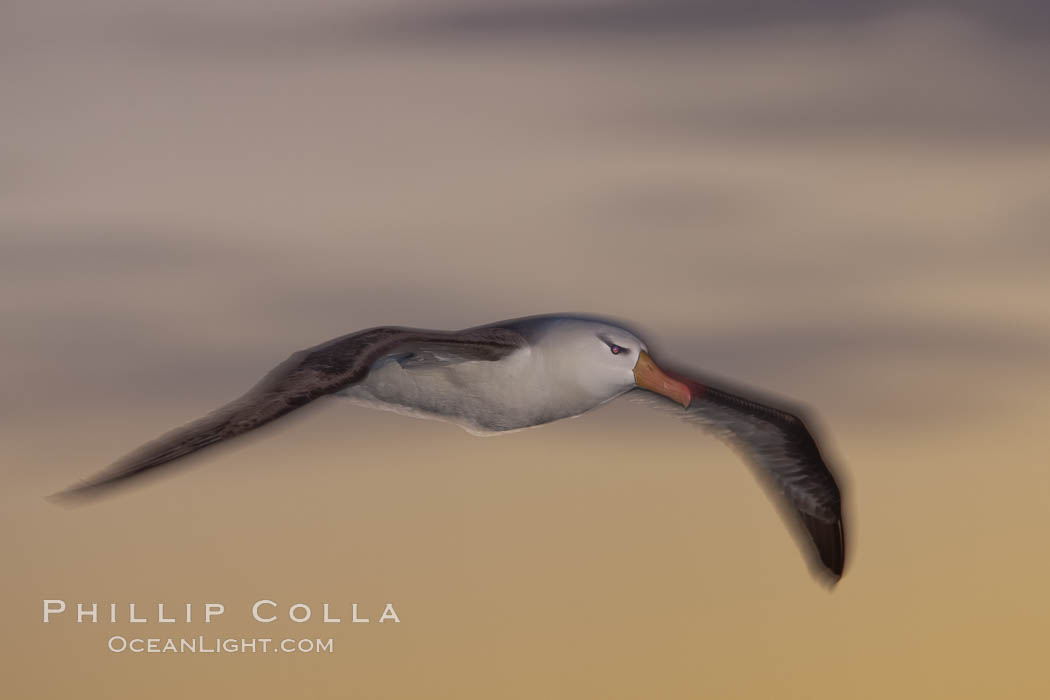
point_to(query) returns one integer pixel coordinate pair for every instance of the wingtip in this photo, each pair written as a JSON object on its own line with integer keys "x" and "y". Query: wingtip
{"x": 828, "y": 553}
{"x": 72, "y": 496}
{"x": 833, "y": 573}
{"x": 828, "y": 575}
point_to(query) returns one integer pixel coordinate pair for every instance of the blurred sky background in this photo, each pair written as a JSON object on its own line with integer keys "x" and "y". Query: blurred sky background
{"x": 845, "y": 203}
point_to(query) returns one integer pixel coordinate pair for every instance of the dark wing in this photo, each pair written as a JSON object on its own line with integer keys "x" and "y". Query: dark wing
{"x": 785, "y": 456}
{"x": 306, "y": 375}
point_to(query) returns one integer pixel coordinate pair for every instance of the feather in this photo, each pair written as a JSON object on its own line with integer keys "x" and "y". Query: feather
{"x": 305, "y": 376}
{"x": 784, "y": 455}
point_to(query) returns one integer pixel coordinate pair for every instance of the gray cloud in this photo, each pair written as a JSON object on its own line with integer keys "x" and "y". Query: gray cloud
{"x": 327, "y": 29}
{"x": 676, "y": 17}
{"x": 896, "y": 116}
{"x": 814, "y": 347}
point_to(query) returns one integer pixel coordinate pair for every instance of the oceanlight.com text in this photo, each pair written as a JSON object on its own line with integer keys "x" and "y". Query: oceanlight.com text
{"x": 218, "y": 645}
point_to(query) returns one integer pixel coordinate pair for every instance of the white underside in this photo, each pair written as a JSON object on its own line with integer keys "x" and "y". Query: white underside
{"x": 470, "y": 426}
{"x": 483, "y": 398}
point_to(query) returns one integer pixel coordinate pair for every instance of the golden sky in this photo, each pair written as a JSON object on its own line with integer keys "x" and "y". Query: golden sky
{"x": 845, "y": 205}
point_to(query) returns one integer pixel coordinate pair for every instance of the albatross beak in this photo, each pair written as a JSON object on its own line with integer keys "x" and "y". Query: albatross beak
{"x": 648, "y": 376}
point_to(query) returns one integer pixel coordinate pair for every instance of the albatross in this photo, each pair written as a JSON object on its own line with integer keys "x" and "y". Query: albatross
{"x": 518, "y": 374}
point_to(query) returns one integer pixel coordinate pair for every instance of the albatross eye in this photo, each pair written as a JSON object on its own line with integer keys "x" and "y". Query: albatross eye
{"x": 613, "y": 347}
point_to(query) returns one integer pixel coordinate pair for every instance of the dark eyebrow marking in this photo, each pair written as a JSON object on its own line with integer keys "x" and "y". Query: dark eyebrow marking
{"x": 605, "y": 339}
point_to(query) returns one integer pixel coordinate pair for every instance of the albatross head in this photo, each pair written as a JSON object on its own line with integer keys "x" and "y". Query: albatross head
{"x": 603, "y": 360}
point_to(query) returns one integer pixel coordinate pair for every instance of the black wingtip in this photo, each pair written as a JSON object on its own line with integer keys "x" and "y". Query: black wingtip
{"x": 72, "y": 496}
{"x": 829, "y": 541}
{"x": 86, "y": 490}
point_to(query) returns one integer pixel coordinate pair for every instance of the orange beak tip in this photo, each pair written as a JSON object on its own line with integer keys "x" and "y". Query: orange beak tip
{"x": 648, "y": 375}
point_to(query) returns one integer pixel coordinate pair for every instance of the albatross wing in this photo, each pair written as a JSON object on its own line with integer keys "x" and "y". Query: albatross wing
{"x": 306, "y": 375}
{"x": 784, "y": 454}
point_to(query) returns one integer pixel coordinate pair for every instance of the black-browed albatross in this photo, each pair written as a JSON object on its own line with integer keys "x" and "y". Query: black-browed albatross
{"x": 518, "y": 374}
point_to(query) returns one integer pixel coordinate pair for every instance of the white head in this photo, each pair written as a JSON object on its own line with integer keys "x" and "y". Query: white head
{"x": 598, "y": 361}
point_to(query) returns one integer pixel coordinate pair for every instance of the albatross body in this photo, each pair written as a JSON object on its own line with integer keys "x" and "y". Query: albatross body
{"x": 535, "y": 382}
{"x": 518, "y": 374}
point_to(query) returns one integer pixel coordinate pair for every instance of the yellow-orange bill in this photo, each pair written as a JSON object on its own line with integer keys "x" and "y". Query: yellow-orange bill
{"x": 648, "y": 376}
